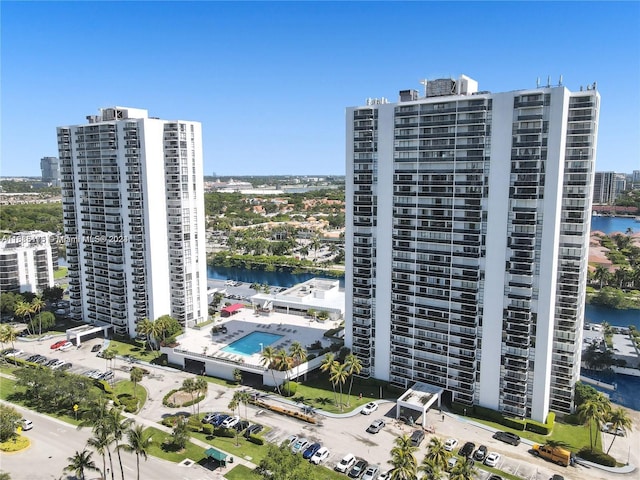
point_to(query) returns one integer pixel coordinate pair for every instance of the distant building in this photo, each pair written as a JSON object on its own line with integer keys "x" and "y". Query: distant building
{"x": 467, "y": 226}
{"x": 26, "y": 262}
{"x": 50, "y": 167}
{"x": 607, "y": 187}
{"x": 133, "y": 207}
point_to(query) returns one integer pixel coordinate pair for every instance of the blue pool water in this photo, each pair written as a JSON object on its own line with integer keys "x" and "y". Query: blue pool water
{"x": 252, "y": 343}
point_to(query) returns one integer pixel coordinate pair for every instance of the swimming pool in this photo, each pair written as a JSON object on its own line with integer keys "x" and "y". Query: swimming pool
{"x": 252, "y": 343}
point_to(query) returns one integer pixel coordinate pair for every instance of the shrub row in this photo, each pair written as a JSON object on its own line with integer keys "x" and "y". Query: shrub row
{"x": 255, "y": 439}
{"x": 597, "y": 456}
{"x": 511, "y": 422}
{"x": 284, "y": 411}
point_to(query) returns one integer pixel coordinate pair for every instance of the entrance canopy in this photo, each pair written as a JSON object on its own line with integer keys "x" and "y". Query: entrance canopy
{"x": 419, "y": 398}
{"x": 231, "y": 309}
{"x": 216, "y": 455}
{"x": 78, "y": 332}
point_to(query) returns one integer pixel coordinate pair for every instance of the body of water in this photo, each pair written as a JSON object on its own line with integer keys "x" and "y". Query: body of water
{"x": 614, "y": 224}
{"x": 276, "y": 279}
{"x": 616, "y": 318}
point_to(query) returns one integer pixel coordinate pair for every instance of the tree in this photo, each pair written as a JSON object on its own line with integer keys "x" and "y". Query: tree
{"x": 138, "y": 442}
{"x": 237, "y": 375}
{"x": 284, "y": 362}
{"x": 279, "y": 464}
{"x": 37, "y": 305}
{"x": 100, "y": 442}
{"x": 108, "y": 355}
{"x": 354, "y": 367}
{"x": 8, "y": 335}
{"x": 436, "y": 453}
{"x": 298, "y": 354}
{"x": 145, "y": 328}
{"x": 189, "y": 386}
{"x": 117, "y": 428}
{"x": 619, "y": 418}
{"x": 80, "y": 462}
{"x": 327, "y": 366}
{"x": 180, "y": 434}
{"x": 9, "y": 416}
{"x": 601, "y": 274}
{"x": 592, "y": 412}
{"x": 233, "y": 404}
{"x": 462, "y": 470}
{"x": 403, "y": 460}
{"x": 339, "y": 376}
{"x": 315, "y": 244}
{"x": 135, "y": 375}
{"x": 23, "y": 309}
{"x": 431, "y": 470}
{"x": 268, "y": 359}
{"x": 202, "y": 386}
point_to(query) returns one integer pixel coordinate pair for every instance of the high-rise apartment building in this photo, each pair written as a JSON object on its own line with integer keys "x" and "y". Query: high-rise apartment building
{"x": 467, "y": 233}
{"x": 50, "y": 167}
{"x": 133, "y": 205}
{"x": 26, "y": 262}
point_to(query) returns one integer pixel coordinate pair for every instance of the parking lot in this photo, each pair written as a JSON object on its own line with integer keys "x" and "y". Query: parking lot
{"x": 341, "y": 435}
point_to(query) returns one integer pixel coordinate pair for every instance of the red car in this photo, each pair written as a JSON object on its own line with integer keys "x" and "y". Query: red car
{"x": 58, "y": 344}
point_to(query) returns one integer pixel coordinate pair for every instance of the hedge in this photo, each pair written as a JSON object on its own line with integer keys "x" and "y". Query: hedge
{"x": 224, "y": 432}
{"x": 597, "y": 456}
{"x": 104, "y": 386}
{"x": 255, "y": 439}
{"x": 289, "y": 388}
{"x": 207, "y": 429}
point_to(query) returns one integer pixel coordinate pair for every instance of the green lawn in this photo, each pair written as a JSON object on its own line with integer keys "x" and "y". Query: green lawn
{"x": 126, "y": 387}
{"x": 61, "y": 272}
{"x": 191, "y": 451}
{"x": 134, "y": 350}
{"x": 245, "y": 449}
{"x": 240, "y": 472}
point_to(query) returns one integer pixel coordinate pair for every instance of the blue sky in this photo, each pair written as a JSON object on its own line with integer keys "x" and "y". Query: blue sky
{"x": 270, "y": 81}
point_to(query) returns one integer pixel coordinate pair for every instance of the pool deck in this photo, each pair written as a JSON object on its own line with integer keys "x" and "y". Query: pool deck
{"x": 292, "y": 328}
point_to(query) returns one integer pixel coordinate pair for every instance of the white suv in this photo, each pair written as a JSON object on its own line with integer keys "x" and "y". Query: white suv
{"x": 346, "y": 463}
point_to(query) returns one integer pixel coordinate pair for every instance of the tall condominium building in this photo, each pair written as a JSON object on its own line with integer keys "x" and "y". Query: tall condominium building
{"x": 133, "y": 206}
{"x": 50, "y": 167}
{"x": 604, "y": 187}
{"x": 467, "y": 233}
{"x": 26, "y": 262}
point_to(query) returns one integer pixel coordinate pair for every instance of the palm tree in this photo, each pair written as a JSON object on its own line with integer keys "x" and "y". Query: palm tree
{"x": 593, "y": 411}
{"x": 431, "y": 469}
{"x": 157, "y": 330}
{"x": 327, "y": 366}
{"x": 268, "y": 358}
{"x": 462, "y": 470}
{"x": 100, "y": 442}
{"x": 108, "y": 355}
{"x": 403, "y": 460}
{"x": 117, "y": 428}
{"x": 138, "y": 443}
{"x": 619, "y": 418}
{"x": 38, "y": 304}
{"x": 354, "y": 367}
{"x": 80, "y": 462}
{"x": 9, "y": 335}
{"x": 189, "y": 386}
{"x": 233, "y": 404}
{"x": 202, "y": 386}
{"x": 339, "y": 376}
{"x": 299, "y": 355}
{"x": 23, "y": 309}
{"x": 244, "y": 398}
{"x": 284, "y": 362}
{"x": 145, "y": 327}
{"x": 135, "y": 375}
{"x": 601, "y": 274}
{"x": 436, "y": 453}
{"x": 315, "y": 244}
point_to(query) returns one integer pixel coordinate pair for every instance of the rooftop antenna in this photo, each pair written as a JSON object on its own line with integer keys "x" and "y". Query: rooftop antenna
{"x": 560, "y": 81}
{"x": 548, "y": 81}
{"x": 538, "y": 82}
{"x": 424, "y": 82}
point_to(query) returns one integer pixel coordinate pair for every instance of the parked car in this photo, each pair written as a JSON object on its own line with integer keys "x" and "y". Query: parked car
{"x": 96, "y": 348}
{"x": 345, "y": 464}
{"x": 58, "y": 344}
{"x": 230, "y": 422}
{"x": 57, "y": 365}
{"x": 371, "y": 473}
{"x": 65, "y": 366}
{"x": 66, "y": 346}
{"x": 106, "y": 376}
{"x": 608, "y": 428}
{"x": 300, "y": 445}
{"x": 14, "y": 353}
{"x": 41, "y": 359}
{"x": 507, "y": 437}
{"x": 209, "y": 417}
{"x": 253, "y": 430}
{"x": 385, "y": 475}
{"x": 290, "y": 439}
{"x": 450, "y": 444}
{"x": 25, "y": 424}
{"x": 369, "y": 408}
{"x": 375, "y": 426}
{"x": 311, "y": 450}
{"x": 498, "y": 477}
{"x": 417, "y": 437}
{"x": 320, "y": 456}
{"x": 467, "y": 449}
{"x": 219, "y": 419}
{"x": 492, "y": 459}
{"x": 481, "y": 453}
{"x": 358, "y": 469}
{"x": 241, "y": 425}
{"x": 53, "y": 361}
{"x": 451, "y": 463}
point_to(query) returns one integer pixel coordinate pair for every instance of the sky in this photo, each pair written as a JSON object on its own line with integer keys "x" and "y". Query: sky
{"x": 270, "y": 81}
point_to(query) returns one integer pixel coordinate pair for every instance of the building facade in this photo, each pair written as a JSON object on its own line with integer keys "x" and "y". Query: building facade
{"x": 50, "y": 167}
{"x": 26, "y": 262}
{"x": 467, "y": 232}
{"x": 133, "y": 206}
